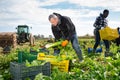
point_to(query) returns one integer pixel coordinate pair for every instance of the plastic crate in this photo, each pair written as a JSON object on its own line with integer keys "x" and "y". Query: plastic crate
{"x": 109, "y": 34}
{"x": 41, "y": 50}
{"x": 62, "y": 65}
{"x": 20, "y": 72}
{"x": 98, "y": 50}
{"x": 23, "y": 56}
{"x": 42, "y": 56}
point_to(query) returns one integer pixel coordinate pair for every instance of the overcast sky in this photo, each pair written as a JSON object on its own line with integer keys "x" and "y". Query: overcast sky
{"x": 35, "y": 13}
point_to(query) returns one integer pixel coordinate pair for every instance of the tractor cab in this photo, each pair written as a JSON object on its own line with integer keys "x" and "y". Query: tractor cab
{"x": 23, "y": 29}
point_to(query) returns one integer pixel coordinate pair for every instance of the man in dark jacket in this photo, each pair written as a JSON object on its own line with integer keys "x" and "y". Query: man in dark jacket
{"x": 101, "y": 22}
{"x": 63, "y": 28}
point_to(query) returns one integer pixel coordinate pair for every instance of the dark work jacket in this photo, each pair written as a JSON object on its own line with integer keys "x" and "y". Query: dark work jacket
{"x": 65, "y": 28}
{"x": 100, "y": 22}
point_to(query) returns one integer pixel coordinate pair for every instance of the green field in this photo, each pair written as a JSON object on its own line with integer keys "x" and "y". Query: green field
{"x": 94, "y": 67}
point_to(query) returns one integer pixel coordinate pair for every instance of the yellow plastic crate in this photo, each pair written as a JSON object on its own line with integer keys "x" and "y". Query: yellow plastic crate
{"x": 108, "y": 34}
{"x": 42, "y": 56}
{"x": 62, "y": 65}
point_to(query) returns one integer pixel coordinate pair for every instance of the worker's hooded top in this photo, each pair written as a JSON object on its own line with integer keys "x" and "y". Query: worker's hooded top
{"x": 65, "y": 28}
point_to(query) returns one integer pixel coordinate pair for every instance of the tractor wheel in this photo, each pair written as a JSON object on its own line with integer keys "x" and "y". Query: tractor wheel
{"x": 32, "y": 40}
{"x": 14, "y": 40}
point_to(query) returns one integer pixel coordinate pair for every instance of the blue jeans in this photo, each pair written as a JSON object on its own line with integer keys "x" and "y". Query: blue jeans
{"x": 97, "y": 41}
{"x": 75, "y": 45}
{"x": 56, "y": 51}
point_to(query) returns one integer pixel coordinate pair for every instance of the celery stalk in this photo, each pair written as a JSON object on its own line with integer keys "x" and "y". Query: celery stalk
{"x": 53, "y": 44}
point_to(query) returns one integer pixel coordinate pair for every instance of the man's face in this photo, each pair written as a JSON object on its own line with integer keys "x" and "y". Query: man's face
{"x": 105, "y": 14}
{"x": 54, "y": 21}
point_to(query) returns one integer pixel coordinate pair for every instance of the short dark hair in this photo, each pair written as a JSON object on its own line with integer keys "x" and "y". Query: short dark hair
{"x": 106, "y": 11}
{"x": 52, "y": 16}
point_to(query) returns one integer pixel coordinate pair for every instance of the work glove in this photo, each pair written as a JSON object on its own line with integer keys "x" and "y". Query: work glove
{"x": 64, "y": 43}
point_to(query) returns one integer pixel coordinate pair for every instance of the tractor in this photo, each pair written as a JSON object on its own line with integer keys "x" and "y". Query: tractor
{"x": 11, "y": 39}
{"x": 24, "y": 35}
